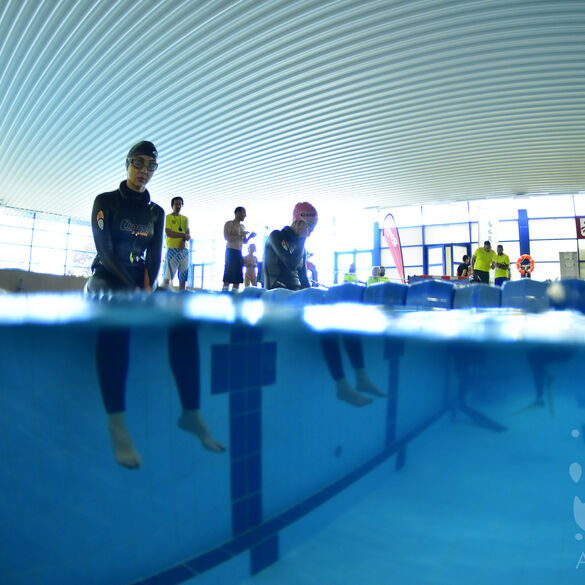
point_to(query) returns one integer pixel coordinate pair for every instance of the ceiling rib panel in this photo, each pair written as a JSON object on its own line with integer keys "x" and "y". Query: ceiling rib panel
{"x": 375, "y": 103}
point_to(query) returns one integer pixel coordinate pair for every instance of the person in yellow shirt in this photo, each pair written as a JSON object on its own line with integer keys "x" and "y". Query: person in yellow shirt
{"x": 177, "y": 232}
{"x": 482, "y": 261}
{"x": 382, "y": 275}
{"x": 378, "y": 276}
{"x": 502, "y": 266}
{"x": 375, "y": 276}
{"x": 350, "y": 276}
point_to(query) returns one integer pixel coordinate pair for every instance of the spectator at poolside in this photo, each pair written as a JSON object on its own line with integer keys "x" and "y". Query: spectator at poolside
{"x": 502, "y": 266}
{"x": 463, "y": 268}
{"x": 350, "y": 276}
{"x": 178, "y": 234}
{"x": 236, "y": 235}
{"x": 250, "y": 263}
{"x": 482, "y": 261}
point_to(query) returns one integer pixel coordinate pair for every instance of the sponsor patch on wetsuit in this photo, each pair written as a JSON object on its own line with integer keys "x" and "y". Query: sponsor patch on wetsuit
{"x": 100, "y": 219}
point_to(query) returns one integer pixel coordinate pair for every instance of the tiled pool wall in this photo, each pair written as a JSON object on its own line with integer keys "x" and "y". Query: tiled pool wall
{"x": 295, "y": 455}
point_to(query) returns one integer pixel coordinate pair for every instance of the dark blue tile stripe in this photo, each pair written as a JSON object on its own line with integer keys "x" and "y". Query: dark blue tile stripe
{"x": 264, "y": 554}
{"x": 174, "y": 576}
{"x": 393, "y": 350}
{"x": 262, "y": 540}
{"x": 252, "y": 365}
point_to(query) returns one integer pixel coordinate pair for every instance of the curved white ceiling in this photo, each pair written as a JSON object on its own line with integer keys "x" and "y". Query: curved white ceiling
{"x": 263, "y": 103}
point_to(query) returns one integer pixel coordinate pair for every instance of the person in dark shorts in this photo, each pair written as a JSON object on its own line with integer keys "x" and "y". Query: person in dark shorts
{"x": 482, "y": 262}
{"x": 128, "y": 230}
{"x": 235, "y": 235}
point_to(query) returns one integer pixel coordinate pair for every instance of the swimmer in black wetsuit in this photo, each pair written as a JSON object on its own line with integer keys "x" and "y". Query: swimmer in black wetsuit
{"x": 285, "y": 257}
{"x": 285, "y": 266}
{"x": 128, "y": 229}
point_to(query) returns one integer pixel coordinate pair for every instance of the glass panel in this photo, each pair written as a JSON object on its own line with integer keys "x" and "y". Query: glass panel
{"x": 363, "y": 264}
{"x": 442, "y": 213}
{"x": 414, "y": 271}
{"x": 550, "y": 206}
{"x": 458, "y": 253}
{"x": 43, "y": 239}
{"x": 549, "y": 250}
{"x": 11, "y": 217}
{"x": 579, "y": 202}
{"x": 79, "y": 263}
{"x": 408, "y": 237}
{"x": 504, "y": 208}
{"x": 541, "y": 229}
{"x": 13, "y": 264}
{"x": 409, "y": 256}
{"x": 546, "y": 271}
{"x": 80, "y": 228}
{"x": 392, "y": 274}
{"x": 343, "y": 262}
{"x": 507, "y": 230}
{"x": 49, "y": 261}
{"x": 48, "y": 268}
{"x": 436, "y": 256}
{"x": 15, "y": 235}
{"x": 406, "y": 216}
{"x": 15, "y": 253}
{"x": 52, "y": 224}
{"x": 447, "y": 234}
{"x": 351, "y": 233}
{"x": 81, "y": 243}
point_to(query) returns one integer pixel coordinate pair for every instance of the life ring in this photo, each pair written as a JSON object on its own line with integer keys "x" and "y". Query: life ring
{"x": 525, "y": 264}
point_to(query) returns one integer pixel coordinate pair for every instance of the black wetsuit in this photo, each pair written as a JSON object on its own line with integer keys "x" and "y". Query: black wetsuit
{"x": 128, "y": 233}
{"x": 285, "y": 261}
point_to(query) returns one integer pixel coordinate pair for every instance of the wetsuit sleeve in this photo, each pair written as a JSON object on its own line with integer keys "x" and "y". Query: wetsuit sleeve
{"x": 274, "y": 257}
{"x": 154, "y": 250}
{"x": 302, "y": 271}
{"x": 101, "y": 226}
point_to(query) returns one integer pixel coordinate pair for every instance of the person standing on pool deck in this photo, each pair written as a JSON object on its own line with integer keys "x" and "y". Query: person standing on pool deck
{"x": 235, "y": 234}
{"x": 481, "y": 262}
{"x": 502, "y": 266}
{"x": 178, "y": 234}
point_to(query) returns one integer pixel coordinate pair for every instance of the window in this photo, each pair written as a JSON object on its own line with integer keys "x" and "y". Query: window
{"x": 45, "y": 243}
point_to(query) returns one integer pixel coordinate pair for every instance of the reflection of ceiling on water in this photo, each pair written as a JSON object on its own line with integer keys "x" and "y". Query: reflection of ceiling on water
{"x": 263, "y": 103}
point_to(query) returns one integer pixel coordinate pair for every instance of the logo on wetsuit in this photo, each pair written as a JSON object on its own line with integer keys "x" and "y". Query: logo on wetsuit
{"x": 290, "y": 248}
{"x": 100, "y": 219}
{"x": 134, "y": 228}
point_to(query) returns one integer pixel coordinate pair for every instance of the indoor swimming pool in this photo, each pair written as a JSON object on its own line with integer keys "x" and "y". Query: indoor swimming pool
{"x": 363, "y": 443}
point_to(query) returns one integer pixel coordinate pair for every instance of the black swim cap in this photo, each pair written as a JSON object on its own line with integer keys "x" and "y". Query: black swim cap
{"x": 144, "y": 147}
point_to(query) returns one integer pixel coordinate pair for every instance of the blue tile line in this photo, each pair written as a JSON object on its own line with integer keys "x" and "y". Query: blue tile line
{"x": 252, "y": 365}
{"x": 261, "y": 538}
{"x": 392, "y": 352}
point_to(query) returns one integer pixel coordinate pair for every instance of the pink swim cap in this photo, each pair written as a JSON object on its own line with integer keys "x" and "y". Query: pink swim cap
{"x": 305, "y": 212}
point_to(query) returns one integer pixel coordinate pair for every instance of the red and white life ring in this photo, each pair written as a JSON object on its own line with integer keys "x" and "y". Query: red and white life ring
{"x": 525, "y": 264}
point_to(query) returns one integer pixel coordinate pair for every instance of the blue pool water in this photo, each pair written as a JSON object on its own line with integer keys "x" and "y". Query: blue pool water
{"x": 468, "y": 471}
{"x": 469, "y": 507}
